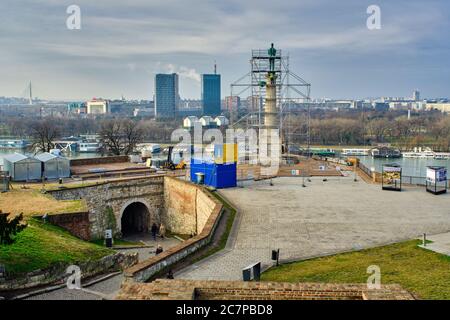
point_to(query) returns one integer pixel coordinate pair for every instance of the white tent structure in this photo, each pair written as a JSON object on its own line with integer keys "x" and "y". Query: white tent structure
{"x": 189, "y": 122}
{"x": 53, "y": 166}
{"x": 221, "y": 121}
{"x": 206, "y": 121}
{"x": 22, "y": 168}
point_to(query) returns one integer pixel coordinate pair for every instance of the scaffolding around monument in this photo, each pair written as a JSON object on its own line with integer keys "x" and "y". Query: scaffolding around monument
{"x": 289, "y": 90}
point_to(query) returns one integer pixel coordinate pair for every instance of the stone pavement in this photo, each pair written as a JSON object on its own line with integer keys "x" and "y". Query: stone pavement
{"x": 324, "y": 218}
{"x": 441, "y": 243}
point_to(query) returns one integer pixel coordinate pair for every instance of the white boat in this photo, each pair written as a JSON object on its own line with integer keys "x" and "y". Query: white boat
{"x": 89, "y": 147}
{"x": 355, "y": 152}
{"x": 14, "y": 144}
{"x": 426, "y": 153}
{"x": 442, "y": 156}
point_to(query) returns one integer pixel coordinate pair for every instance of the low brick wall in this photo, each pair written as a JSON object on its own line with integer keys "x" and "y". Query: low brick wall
{"x": 146, "y": 269}
{"x": 57, "y": 273}
{"x": 76, "y": 223}
{"x": 101, "y": 160}
{"x": 163, "y": 289}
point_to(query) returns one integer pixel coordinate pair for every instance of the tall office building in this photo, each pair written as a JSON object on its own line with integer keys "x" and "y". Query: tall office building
{"x": 211, "y": 94}
{"x": 166, "y": 95}
{"x": 416, "y": 95}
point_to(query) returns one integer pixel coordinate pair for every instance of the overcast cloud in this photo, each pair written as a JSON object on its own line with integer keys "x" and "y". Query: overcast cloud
{"x": 123, "y": 44}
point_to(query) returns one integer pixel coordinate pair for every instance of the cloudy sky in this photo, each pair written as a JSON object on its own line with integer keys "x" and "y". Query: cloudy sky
{"x": 122, "y": 44}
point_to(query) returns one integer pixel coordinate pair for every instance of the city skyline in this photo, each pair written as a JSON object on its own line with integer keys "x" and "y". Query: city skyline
{"x": 120, "y": 48}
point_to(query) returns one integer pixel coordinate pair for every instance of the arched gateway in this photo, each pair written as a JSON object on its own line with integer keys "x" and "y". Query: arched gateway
{"x": 135, "y": 218}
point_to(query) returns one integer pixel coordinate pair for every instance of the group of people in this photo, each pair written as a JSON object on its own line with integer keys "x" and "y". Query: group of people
{"x": 155, "y": 230}
{"x": 162, "y": 233}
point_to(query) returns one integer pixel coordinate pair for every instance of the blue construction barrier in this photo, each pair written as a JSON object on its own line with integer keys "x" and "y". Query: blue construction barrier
{"x": 215, "y": 175}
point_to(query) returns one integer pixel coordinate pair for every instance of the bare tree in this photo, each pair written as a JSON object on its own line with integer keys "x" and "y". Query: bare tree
{"x": 133, "y": 134}
{"x": 120, "y": 136}
{"x": 44, "y": 133}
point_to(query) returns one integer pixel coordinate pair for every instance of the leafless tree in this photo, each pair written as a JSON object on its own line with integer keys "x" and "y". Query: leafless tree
{"x": 120, "y": 137}
{"x": 44, "y": 133}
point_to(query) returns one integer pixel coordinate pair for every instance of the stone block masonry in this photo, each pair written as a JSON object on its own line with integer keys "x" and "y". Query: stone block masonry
{"x": 57, "y": 273}
{"x": 162, "y": 289}
{"x": 181, "y": 206}
{"x": 116, "y": 196}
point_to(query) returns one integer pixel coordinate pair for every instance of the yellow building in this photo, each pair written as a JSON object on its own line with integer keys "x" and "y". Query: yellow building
{"x": 443, "y": 107}
{"x": 97, "y": 107}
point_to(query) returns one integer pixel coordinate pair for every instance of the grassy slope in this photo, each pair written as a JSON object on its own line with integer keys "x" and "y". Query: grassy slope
{"x": 420, "y": 271}
{"x": 41, "y": 245}
{"x": 32, "y": 202}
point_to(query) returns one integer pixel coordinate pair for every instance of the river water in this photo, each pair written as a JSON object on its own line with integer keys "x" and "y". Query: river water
{"x": 414, "y": 167}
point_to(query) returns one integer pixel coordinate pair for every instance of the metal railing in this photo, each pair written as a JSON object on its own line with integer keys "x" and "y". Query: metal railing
{"x": 365, "y": 169}
{"x": 418, "y": 181}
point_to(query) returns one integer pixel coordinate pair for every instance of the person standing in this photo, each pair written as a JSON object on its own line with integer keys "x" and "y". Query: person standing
{"x": 154, "y": 230}
{"x": 162, "y": 231}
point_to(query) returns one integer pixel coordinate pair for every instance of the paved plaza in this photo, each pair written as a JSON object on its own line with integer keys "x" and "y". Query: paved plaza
{"x": 324, "y": 218}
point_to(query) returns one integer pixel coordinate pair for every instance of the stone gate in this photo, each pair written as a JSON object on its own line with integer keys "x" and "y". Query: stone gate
{"x": 137, "y": 203}
{"x": 132, "y": 205}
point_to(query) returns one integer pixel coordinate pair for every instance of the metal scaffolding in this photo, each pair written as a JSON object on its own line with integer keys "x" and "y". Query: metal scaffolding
{"x": 290, "y": 89}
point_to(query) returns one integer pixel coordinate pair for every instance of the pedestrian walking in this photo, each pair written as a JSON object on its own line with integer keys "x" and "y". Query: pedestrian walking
{"x": 154, "y": 230}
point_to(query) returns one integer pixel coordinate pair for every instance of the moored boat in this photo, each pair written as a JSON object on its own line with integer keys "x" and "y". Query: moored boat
{"x": 385, "y": 152}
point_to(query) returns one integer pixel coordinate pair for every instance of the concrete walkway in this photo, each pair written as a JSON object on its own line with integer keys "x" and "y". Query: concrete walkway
{"x": 441, "y": 243}
{"x": 324, "y": 218}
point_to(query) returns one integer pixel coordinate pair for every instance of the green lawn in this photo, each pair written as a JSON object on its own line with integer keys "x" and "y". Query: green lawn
{"x": 41, "y": 245}
{"x": 423, "y": 272}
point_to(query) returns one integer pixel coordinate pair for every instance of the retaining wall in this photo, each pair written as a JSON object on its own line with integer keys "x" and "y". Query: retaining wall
{"x": 57, "y": 273}
{"x": 76, "y": 223}
{"x": 100, "y": 160}
{"x": 208, "y": 217}
{"x": 186, "y": 207}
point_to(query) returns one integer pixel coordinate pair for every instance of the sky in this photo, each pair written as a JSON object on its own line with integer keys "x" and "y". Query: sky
{"x": 122, "y": 44}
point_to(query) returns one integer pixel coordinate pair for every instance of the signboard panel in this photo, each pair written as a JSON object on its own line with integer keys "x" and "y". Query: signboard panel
{"x": 441, "y": 175}
{"x": 436, "y": 175}
{"x": 392, "y": 175}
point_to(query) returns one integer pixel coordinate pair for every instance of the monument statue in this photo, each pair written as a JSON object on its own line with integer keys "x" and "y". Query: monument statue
{"x": 272, "y": 52}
